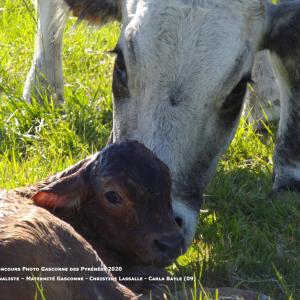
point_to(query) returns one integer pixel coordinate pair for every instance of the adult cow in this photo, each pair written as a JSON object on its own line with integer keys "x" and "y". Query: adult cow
{"x": 180, "y": 78}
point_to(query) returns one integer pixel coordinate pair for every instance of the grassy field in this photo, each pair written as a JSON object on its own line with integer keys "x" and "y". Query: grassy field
{"x": 244, "y": 238}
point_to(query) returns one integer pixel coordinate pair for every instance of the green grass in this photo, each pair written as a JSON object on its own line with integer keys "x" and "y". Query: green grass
{"x": 244, "y": 238}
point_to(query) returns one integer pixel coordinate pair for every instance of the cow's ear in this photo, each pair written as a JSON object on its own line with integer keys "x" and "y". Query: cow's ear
{"x": 282, "y": 29}
{"x": 68, "y": 188}
{"x": 282, "y": 39}
{"x": 96, "y": 11}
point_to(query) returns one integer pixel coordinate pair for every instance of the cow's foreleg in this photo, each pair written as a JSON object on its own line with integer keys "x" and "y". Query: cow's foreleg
{"x": 283, "y": 41}
{"x": 287, "y": 150}
{"x": 45, "y": 78}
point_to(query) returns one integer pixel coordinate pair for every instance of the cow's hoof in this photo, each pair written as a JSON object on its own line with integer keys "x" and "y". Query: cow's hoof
{"x": 263, "y": 297}
{"x": 236, "y": 294}
{"x": 43, "y": 98}
{"x": 293, "y": 186}
{"x": 37, "y": 87}
{"x": 266, "y": 128}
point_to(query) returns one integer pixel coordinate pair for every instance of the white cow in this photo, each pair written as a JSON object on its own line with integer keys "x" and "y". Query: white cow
{"x": 180, "y": 78}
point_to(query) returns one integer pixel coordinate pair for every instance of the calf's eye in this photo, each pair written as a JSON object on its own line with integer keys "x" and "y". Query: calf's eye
{"x": 113, "y": 198}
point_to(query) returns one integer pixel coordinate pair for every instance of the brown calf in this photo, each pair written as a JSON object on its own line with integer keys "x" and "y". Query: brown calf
{"x": 119, "y": 201}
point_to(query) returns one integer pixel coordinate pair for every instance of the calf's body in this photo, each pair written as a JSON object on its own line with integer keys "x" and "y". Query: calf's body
{"x": 32, "y": 237}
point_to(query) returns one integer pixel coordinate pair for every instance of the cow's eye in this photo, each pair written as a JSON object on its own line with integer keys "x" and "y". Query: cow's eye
{"x": 113, "y": 198}
{"x": 120, "y": 78}
{"x": 120, "y": 68}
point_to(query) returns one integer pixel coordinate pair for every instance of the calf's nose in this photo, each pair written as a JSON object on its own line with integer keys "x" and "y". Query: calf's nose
{"x": 170, "y": 245}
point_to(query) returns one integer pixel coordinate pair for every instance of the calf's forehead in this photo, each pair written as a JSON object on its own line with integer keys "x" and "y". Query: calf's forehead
{"x": 135, "y": 165}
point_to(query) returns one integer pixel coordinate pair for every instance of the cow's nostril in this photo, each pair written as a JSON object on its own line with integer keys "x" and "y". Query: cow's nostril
{"x": 179, "y": 221}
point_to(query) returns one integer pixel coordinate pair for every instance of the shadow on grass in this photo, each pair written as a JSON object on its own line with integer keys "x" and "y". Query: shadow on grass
{"x": 245, "y": 239}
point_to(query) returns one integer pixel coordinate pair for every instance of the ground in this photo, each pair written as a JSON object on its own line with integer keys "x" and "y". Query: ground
{"x": 244, "y": 239}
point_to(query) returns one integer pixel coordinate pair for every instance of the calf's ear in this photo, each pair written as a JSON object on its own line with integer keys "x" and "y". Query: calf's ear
{"x": 65, "y": 192}
{"x": 67, "y": 189}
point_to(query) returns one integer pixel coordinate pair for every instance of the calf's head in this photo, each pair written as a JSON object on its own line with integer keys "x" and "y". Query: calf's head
{"x": 124, "y": 194}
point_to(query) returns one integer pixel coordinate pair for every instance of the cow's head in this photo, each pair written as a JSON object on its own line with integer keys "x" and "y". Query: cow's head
{"x": 180, "y": 78}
